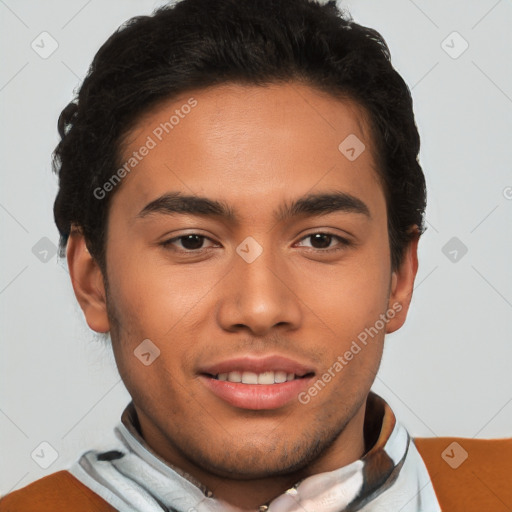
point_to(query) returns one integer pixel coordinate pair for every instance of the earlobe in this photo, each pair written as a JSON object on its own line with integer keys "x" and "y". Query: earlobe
{"x": 87, "y": 281}
{"x": 402, "y": 285}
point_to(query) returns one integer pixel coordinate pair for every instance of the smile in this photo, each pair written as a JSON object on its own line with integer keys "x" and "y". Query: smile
{"x": 257, "y": 383}
{"x": 268, "y": 377}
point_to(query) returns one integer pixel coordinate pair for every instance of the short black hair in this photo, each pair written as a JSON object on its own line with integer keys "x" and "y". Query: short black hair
{"x": 194, "y": 44}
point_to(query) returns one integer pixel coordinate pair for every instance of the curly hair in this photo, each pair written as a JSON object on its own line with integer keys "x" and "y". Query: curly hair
{"x": 194, "y": 44}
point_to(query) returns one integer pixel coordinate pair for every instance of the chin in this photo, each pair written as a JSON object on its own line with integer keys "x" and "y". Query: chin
{"x": 262, "y": 461}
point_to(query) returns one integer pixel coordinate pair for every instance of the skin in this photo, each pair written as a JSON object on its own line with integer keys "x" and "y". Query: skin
{"x": 253, "y": 148}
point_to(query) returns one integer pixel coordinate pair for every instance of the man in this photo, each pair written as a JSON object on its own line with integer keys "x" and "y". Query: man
{"x": 240, "y": 204}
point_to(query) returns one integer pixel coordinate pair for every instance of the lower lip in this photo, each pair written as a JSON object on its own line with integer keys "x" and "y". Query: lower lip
{"x": 256, "y": 396}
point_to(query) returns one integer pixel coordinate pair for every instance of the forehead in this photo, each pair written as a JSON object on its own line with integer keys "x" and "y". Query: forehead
{"x": 247, "y": 144}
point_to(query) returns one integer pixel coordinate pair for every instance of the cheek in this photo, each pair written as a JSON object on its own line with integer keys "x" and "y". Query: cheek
{"x": 349, "y": 297}
{"x": 165, "y": 304}
{"x": 152, "y": 296}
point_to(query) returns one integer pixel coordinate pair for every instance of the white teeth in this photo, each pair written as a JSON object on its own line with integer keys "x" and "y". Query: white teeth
{"x": 270, "y": 377}
{"x": 266, "y": 378}
{"x": 235, "y": 377}
{"x": 250, "y": 378}
{"x": 279, "y": 377}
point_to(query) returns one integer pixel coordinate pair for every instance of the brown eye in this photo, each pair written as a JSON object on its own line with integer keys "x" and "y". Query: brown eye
{"x": 192, "y": 242}
{"x": 187, "y": 243}
{"x": 322, "y": 242}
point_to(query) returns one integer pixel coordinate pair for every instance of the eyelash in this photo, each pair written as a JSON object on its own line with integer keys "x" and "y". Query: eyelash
{"x": 343, "y": 243}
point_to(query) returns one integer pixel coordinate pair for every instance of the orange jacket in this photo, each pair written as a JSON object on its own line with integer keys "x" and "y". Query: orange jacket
{"x": 482, "y": 482}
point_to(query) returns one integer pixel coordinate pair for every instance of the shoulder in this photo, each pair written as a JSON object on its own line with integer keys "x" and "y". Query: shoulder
{"x": 57, "y": 492}
{"x": 469, "y": 474}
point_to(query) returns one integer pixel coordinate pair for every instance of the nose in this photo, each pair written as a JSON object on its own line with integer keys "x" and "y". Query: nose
{"x": 259, "y": 296}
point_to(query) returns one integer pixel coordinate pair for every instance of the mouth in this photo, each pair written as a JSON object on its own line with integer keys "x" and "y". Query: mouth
{"x": 257, "y": 383}
{"x": 266, "y": 378}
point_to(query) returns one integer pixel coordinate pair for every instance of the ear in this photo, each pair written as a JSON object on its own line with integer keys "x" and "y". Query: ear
{"x": 87, "y": 281}
{"x": 402, "y": 285}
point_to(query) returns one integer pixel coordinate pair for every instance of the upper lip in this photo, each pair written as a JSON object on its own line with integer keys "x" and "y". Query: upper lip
{"x": 258, "y": 365}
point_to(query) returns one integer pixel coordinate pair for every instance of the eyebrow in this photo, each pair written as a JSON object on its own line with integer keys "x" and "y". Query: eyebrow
{"x": 310, "y": 204}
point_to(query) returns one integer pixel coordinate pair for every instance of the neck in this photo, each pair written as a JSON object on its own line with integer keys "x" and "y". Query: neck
{"x": 348, "y": 447}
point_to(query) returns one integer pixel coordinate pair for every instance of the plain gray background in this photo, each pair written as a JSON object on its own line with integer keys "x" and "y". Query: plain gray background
{"x": 447, "y": 372}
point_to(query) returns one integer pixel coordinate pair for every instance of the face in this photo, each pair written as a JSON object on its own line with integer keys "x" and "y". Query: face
{"x": 245, "y": 245}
